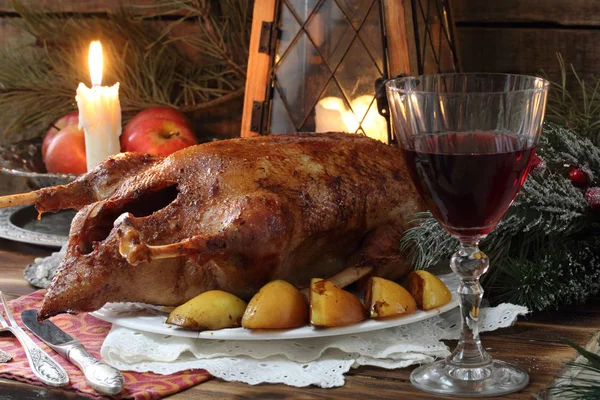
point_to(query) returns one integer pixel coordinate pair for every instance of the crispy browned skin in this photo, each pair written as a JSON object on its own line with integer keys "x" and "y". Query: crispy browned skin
{"x": 98, "y": 184}
{"x": 289, "y": 207}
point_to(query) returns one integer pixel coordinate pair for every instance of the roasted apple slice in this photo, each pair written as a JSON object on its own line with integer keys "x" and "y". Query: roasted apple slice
{"x": 331, "y": 306}
{"x": 428, "y": 290}
{"x": 210, "y": 310}
{"x": 277, "y": 305}
{"x": 385, "y": 298}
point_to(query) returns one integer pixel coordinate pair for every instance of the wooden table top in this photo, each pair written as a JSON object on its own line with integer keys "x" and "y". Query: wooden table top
{"x": 532, "y": 344}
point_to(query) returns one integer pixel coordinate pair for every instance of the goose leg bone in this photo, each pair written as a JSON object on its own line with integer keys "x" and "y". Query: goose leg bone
{"x": 19, "y": 199}
{"x": 345, "y": 277}
{"x": 132, "y": 248}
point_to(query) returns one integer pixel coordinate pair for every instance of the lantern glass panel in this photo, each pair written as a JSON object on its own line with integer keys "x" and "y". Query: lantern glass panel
{"x": 328, "y": 58}
{"x": 287, "y": 35}
{"x": 302, "y": 8}
{"x": 280, "y": 118}
{"x": 357, "y": 73}
{"x": 370, "y": 35}
{"x": 433, "y": 35}
{"x": 356, "y": 10}
{"x": 299, "y": 83}
{"x": 331, "y": 32}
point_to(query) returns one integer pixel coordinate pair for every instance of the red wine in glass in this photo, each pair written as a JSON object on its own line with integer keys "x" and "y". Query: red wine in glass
{"x": 468, "y": 141}
{"x": 468, "y": 180}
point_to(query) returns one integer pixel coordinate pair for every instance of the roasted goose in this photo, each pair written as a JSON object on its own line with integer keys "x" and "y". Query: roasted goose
{"x": 229, "y": 215}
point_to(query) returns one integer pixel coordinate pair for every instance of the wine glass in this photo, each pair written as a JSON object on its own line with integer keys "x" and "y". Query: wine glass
{"x": 468, "y": 141}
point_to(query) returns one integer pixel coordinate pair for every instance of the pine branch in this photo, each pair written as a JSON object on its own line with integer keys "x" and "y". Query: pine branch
{"x": 427, "y": 242}
{"x": 547, "y": 206}
{"x": 586, "y": 385}
{"x": 579, "y": 388}
{"x": 579, "y": 113}
{"x": 38, "y": 85}
{"x": 559, "y": 146}
{"x": 565, "y": 272}
{"x": 220, "y": 34}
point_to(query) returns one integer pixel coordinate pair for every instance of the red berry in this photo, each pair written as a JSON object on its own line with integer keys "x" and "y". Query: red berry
{"x": 579, "y": 178}
{"x": 537, "y": 164}
{"x": 592, "y": 196}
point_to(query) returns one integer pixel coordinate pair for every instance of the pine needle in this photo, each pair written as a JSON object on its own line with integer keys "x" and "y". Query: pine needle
{"x": 581, "y": 112}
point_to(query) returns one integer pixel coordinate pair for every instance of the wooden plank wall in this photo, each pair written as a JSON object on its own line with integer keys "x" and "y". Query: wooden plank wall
{"x": 8, "y": 17}
{"x": 523, "y": 36}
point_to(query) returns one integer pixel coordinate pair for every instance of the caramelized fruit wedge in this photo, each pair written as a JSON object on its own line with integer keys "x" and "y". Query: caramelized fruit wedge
{"x": 331, "y": 306}
{"x": 385, "y": 298}
{"x": 210, "y": 310}
{"x": 277, "y": 305}
{"x": 428, "y": 290}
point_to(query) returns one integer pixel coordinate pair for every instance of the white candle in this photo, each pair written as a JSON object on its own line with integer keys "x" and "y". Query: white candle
{"x": 328, "y": 115}
{"x": 99, "y": 112}
{"x": 331, "y": 114}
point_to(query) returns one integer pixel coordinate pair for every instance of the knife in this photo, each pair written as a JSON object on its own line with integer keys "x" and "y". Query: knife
{"x": 102, "y": 377}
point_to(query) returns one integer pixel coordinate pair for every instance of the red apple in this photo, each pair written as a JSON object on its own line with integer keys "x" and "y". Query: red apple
{"x": 157, "y": 112}
{"x": 66, "y": 152}
{"x": 158, "y": 137}
{"x": 69, "y": 119}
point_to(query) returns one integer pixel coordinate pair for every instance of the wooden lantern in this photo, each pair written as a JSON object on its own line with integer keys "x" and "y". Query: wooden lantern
{"x": 320, "y": 65}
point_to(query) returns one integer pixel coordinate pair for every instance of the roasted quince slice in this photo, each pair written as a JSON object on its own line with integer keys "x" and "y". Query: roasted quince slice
{"x": 210, "y": 310}
{"x": 428, "y": 290}
{"x": 331, "y": 306}
{"x": 385, "y": 298}
{"x": 277, "y": 305}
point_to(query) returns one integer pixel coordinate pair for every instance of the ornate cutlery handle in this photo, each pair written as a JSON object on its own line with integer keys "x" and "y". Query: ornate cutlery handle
{"x": 43, "y": 366}
{"x": 101, "y": 376}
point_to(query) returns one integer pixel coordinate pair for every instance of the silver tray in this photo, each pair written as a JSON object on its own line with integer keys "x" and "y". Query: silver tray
{"x": 21, "y": 225}
{"x": 24, "y": 159}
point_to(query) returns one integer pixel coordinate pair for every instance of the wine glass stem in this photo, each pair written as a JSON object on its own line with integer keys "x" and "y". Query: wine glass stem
{"x": 469, "y": 263}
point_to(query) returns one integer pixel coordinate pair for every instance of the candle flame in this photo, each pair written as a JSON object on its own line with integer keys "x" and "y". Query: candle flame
{"x": 95, "y": 63}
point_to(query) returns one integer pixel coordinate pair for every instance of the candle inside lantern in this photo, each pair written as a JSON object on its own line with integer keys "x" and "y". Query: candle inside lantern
{"x": 99, "y": 112}
{"x": 331, "y": 114}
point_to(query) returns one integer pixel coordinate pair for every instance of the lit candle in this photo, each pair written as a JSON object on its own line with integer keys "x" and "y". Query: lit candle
{"x": 333, "y": 115}
{"x": 99, "y": 112}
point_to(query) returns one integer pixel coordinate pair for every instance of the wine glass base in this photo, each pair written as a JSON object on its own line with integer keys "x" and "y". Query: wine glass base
{"x": 495, "y": 379}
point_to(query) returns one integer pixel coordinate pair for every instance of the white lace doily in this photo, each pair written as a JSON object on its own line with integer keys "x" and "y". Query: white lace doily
{"x": 40, "y": 272}
{"x": 319, "y": 361}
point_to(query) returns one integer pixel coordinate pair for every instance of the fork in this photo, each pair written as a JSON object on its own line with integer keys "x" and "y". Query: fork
{"x": 43, "y": 366}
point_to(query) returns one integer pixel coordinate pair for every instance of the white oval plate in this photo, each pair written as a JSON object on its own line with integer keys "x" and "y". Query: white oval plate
{"x": 145, "y": 318}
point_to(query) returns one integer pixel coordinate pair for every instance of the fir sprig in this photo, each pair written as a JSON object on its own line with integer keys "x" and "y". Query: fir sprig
{"x": 427, "y": 242}
{"x": 547, "y": 205}
{"x": 563, "y": 273}
{"x": 559, "y": 146}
